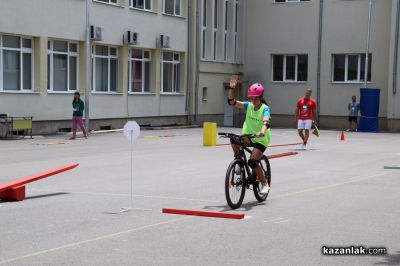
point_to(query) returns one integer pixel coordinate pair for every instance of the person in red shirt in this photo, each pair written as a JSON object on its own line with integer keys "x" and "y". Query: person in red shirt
{"x": 305, "y": 116}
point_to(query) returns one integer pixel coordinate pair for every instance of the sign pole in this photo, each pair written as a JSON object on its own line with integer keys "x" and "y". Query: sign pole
{"x": 131, "y": 132}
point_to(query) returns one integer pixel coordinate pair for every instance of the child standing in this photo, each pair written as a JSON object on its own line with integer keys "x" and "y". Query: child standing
{"x": 78, "y": 107}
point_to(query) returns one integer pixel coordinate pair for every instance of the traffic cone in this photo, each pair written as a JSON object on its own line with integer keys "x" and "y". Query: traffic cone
{"x": 342, "y": 136}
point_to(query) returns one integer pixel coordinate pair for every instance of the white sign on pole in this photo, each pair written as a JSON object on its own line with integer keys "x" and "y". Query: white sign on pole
{"x": 131, "y": 130}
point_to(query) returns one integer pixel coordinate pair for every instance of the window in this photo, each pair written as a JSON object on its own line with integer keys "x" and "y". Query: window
{"x": 172, "y": 7}
{"x": 16, "y": 63}
{"x": 62, "y": 66}
{"x": 204, "y": 97}
{"x": 142, "y": 4}
{"x": 291, "y": 1}
{"x": 170, "y": 72}
{"x": 350, "y": 68}
{"x": 108, "y": 1}
{"x": 105, "y": 68}
{"x": 225, "y": 28}
{"x": 289, "y": 68}
{"x": 139, "y": 70}
{"x": 203, "y": 30}
{"x": 236, "y": 32}
{"x": 215, "y": 29}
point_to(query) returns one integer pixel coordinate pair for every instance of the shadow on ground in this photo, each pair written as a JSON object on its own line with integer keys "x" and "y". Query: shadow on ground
{"x": 245, "y": 207}
{"x": 390, "y": 259}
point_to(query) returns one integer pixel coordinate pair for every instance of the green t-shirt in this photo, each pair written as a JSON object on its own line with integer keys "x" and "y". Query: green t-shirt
{"x": 254, "y": 122}
{"x": 78, "y": 107}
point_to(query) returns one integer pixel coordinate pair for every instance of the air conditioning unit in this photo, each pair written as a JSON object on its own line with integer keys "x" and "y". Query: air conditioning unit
{"x": 131, "y": 37}
{"x": 96, "y": 33}
{"x": 165, "y": 41}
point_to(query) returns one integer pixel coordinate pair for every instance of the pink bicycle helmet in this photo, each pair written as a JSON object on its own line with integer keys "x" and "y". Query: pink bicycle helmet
{"x": 255, "y": 90}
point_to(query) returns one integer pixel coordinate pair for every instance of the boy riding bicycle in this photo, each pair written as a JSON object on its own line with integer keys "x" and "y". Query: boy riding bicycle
{"x": 256, "y": 121}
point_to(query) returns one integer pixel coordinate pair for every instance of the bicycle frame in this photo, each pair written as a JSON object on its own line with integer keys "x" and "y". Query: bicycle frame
{"x": 243, "y": 149}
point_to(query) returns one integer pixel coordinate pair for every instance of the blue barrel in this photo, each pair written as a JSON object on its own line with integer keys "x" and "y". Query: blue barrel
{"x": 369, "y": 108}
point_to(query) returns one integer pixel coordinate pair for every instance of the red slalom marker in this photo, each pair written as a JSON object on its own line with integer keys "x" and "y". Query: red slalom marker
{"x": 217, "y": 214}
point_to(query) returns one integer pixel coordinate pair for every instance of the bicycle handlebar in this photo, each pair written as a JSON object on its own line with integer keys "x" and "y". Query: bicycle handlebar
{"x": 231, "y": 135}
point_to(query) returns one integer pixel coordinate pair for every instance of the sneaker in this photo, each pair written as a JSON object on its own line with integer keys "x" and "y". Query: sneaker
{"x": 303, "y": 146}
{"x": 238, "y": 169}
{"x": 86, "y": 137}
{"x": 264, "y": 188}
{"x": 347, "y": 130}
{"x": 72, "y": 138}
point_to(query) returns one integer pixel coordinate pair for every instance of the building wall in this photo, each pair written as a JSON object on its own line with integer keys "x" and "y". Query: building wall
{"x": 280, "y": 29}
{"x": 292, "y": 28}
{"x": 264, "y": 28}
{"x": 65, "y": 20}
{"x": 353, "y": 17}
{"x": 216, "y": 69}
{"x": 393, "y": 99}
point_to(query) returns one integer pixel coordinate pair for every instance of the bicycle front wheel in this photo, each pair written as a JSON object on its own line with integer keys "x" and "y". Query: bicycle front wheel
{"x": 266, "y": 168}
{"x": 235, "y": 186}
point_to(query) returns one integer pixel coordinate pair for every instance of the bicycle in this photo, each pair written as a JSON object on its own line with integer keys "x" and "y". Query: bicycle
{"x": 240, "y": 178}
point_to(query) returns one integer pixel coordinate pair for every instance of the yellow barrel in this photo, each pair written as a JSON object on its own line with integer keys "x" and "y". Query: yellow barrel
{"x": 209, "y": 134}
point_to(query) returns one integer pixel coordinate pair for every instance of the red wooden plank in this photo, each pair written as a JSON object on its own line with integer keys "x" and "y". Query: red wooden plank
{"x": 281, "y": 145}
{"x": 281, "y": 154}
{"x": 217, "y": 214}
{"x": 13, "y": 194}
{"x": 31, "y": 178}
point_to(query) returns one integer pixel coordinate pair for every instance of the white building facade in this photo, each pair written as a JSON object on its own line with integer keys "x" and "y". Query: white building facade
{"x": 287, "y": 45}
{"x": 42, "y": 46}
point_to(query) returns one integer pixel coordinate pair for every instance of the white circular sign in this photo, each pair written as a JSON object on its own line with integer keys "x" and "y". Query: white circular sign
{"x": 131, "y": 130}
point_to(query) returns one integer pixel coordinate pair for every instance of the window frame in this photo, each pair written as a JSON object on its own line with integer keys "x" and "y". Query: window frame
{"x": 108, "y": 2}
{"x": 235, "y": 31}
{"x": 109, "y": 57}
{"x": 203, "y": 29}
{"x": 360, "y": 67}
{"x": 21, "y": 51}
{"x": 225, "y": 12}
{"x": 174, "y": 14}
{"x": 51, "y": 52}
{"x": 173, "y": 62}
{"x": 143, "y": 60}
{"x": 144, "y": 5}
{"x": 215, "y": 30}
{"x": 284, "y": 80}
{"x": 289, "y": 1}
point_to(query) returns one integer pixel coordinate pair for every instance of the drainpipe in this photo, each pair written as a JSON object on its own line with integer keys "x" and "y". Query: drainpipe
{"x": 396, "y": 47}
{"x": 198, "y": 50}
{"x": 87, "y": 65}
{"x": 367, "y": 44}
{"x": 189, "y": 57}
{"x": 320, "y": 19}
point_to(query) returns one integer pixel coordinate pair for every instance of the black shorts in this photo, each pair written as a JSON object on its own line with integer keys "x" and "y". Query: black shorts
{"x": 257, "y": 146}
{"x": 353, "y": 118}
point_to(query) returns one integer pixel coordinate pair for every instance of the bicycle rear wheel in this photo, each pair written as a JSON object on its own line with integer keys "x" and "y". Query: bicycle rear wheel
{"x": 266, "y": 168}
{"x": 235, "y": 186}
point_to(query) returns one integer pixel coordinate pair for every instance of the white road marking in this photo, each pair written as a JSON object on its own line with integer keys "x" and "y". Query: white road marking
{"x": 283, "y": 221}
{"x": 273, "y": 220}
{"x": 127, "y": 194}
{"x": 91, "y": 240}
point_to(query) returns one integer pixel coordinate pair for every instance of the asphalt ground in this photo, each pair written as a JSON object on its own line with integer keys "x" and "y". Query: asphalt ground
{"x": 335, "y": 194}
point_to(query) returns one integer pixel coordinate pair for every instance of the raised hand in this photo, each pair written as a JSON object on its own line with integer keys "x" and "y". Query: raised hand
{"x": 233, "y": 82}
